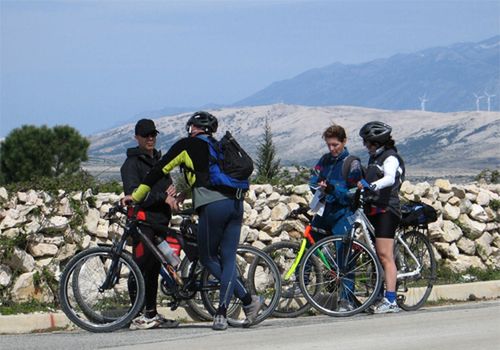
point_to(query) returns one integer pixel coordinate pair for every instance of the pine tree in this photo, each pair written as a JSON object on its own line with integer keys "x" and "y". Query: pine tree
{"x": 267, "y": 165}
{"x": 32, "y": 152}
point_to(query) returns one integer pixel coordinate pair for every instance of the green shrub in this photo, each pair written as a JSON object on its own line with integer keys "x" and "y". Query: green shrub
{"x": 495, "y": 204}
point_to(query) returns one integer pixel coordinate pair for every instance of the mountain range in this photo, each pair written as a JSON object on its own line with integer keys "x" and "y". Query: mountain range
{"x": 430, "y": 97}
{"x": 446, "y": 77}
{"x": 431, "y": 142}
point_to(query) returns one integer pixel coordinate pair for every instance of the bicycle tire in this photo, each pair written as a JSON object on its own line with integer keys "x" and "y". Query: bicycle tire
{"x": 194, "y": 307}
{"x": 82, "y": 303}
{"x": 284, "y": 254}
{"x": 358, "y": 282}
{"x": 91, "y": 309}
{"x": 260, "y": 276}
{"x": 413, "y": 292}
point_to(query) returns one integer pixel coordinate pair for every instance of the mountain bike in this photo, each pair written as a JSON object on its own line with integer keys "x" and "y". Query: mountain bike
{"x": 96, "y": 284}
{"x": 352, "y": 279}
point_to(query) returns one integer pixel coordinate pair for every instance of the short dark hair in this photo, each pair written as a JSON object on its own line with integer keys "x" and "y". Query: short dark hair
{"x": 336, "y": 131}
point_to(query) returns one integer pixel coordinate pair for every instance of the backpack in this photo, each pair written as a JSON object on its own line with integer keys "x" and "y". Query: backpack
{"x": 346, "y": 167}
{"x": 229, "y": 165}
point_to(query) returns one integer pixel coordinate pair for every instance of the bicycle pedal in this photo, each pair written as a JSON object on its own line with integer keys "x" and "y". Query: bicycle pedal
{"x": 173, "y": 305}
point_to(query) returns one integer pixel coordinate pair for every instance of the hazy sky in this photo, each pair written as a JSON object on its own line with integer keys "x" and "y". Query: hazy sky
{"x": 95, "y": 64}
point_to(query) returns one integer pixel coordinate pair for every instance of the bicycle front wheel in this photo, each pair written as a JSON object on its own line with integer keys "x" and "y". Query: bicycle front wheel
{"x": 349, "y": 276}
{"x": 416, "y": 270}
{"x": 92, "y": 307}
{"x": 260, "y": 277}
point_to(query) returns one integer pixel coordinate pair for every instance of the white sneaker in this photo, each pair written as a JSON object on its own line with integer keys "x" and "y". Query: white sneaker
{"x": 142, "y": 322}
{"x": 385, "y": 307}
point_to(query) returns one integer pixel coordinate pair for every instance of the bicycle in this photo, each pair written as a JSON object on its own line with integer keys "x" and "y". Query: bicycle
{"x": 354, "y": 274}
{"x": 287, "y": 255}
{"x": 95, "y": 284}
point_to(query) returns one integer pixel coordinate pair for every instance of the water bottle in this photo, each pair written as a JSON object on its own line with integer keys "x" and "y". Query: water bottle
{"x": 169, "y": 253}
{"x": 167, "y": 278}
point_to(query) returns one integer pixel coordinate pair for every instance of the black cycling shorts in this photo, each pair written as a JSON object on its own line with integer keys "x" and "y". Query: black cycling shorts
{"x": 385, "y": 224}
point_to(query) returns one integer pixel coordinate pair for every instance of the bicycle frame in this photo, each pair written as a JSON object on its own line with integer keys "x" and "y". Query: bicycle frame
{"x": 307, "y": 237}
{"x": 132, "y": 228}
{"x": 360, "y": 220}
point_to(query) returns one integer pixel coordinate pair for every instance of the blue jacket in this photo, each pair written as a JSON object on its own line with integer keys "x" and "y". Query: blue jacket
{"x": 337, "y": 200}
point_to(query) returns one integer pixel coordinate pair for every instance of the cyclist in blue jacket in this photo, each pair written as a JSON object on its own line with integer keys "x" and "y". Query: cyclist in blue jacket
{"x": 335, "y": 173}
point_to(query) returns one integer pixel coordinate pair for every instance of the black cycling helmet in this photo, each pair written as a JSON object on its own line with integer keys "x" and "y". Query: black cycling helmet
{"x": 203, "y": 120}
{"x": 375, "y": 132}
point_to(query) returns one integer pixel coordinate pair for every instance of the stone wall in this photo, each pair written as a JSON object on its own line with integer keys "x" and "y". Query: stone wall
{"x": 39, "y": 232}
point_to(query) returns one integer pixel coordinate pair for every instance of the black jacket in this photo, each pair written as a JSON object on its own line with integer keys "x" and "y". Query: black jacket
{"x": 133, "y": 172}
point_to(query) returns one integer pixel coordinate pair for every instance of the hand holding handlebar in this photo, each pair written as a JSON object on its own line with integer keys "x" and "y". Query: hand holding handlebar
{"x": 127, "y": 200}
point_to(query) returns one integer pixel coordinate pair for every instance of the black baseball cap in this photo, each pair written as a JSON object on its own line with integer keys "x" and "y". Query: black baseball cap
{"x": 145, "y": 127}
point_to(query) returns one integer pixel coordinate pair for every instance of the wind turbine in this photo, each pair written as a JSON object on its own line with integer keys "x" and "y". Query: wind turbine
{"x": 488, "y": 99}
{"x": 477, "y": 101}
{"x": 423, "y": 100}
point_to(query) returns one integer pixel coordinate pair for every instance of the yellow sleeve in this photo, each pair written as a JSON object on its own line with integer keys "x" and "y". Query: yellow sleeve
{"x": 140, "y": 193}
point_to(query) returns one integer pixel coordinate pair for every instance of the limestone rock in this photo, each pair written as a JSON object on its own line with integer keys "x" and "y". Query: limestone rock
{"x": 24, "y": 289}
{"x": 458, "y": 192}
{"x": 465, "y": 205}
{"x": 464, "y": 263}
{"x": 67, "y": 251}
{"x": 451, "y": 232}
{"x": 265, "y": 214}
{"x": 467, "y": 246}
{"x": 57, "y": 224}
{"x": 454, "y": 201}
{"x": 443, "y": 185}
{"x": 5, "y": 273}
{"x": 451, "y": 212}
{"x": 407, "y": 187}
{"x": 280, "y": 212}
{"x": 64, "y": 208}
{"x": 297, "y": 199}
{"x": 102, "y": 228}
{"x": 483, "y": 198}
{"x": 477, "y": 213}
{"x": 483, "y": 246}
{"x": 273, "y": 199}
{"x": 258, "y": 245}
{"x": 473, "y": 229}
{"x": 42, "y": 249}
{"x": 264, "y": 237}
{"x": 251, "y": 197}
{"x": 301, "y": 189}
{"x": 250, "y": 218}
{"x": 92, "y": 220}
{"x": 4, "y": 195}
{"x": 20, "y": 260}
{"x": 445, "y": 197}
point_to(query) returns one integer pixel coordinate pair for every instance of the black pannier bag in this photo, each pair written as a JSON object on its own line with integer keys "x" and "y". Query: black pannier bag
{"x": 417, "y": 213}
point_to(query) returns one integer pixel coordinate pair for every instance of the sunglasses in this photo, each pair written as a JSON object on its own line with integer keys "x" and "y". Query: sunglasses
{"x": 153, "y": 135}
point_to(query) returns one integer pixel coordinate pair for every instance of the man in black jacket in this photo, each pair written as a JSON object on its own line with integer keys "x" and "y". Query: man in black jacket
{"x": 157, "y": 210}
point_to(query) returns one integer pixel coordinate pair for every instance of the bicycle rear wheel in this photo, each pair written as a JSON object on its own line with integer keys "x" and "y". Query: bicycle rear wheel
{"x": 348, "y": 281}
{"x": 292, "y": 302}
{"x": 413, "y": 290}
{"x": 82, "y": 298}
{"x": 260, "y": 277}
